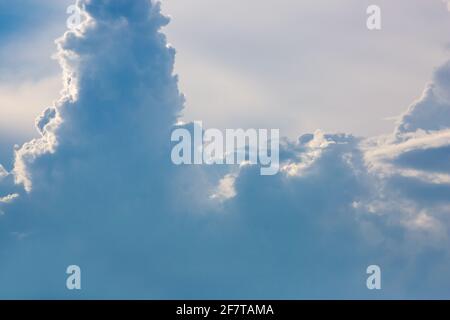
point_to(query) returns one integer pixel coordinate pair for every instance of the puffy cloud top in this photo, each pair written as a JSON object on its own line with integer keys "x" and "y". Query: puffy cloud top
{"x": 432, "y": 111}
{"x": 101, "y": 191}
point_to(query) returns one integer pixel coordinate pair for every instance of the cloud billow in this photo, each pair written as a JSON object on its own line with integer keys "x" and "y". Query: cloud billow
{"x": 98, "y": 189}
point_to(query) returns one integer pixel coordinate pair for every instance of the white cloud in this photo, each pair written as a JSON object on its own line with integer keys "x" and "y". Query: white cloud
{"x": 226, "y": 189}
{"x": 432, "y": 111}
{"x": 9, "y": 198}
{"x": 312, "y": 150}
{"x": 101, "y": 188}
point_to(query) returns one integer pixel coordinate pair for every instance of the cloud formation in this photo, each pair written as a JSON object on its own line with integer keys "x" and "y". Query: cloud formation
{"x": 98, "y": 189}
{"x": 432, "y": 111}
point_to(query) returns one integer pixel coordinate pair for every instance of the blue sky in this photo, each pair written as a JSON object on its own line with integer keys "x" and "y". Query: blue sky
{"x": 93, "y": 184}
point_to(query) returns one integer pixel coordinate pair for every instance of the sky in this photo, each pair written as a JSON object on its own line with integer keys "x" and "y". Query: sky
{"x": 255, "y": 58}
{"x": 85, "y": 170}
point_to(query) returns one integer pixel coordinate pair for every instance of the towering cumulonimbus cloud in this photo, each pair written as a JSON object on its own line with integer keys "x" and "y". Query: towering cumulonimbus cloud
{"x": 119, "y": 87}
{"x": 103, "y": 146}
{"x": 98, "y": 189}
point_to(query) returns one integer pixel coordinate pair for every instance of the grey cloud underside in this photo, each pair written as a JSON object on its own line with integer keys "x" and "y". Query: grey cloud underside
{"x": 98, "y": 189}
